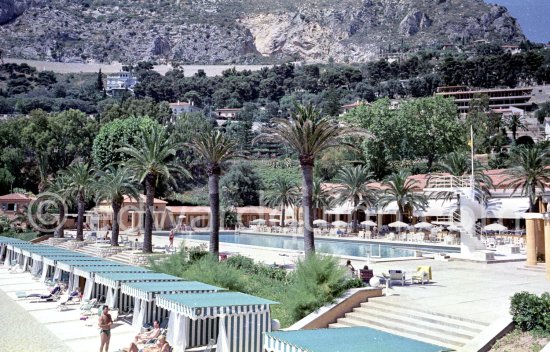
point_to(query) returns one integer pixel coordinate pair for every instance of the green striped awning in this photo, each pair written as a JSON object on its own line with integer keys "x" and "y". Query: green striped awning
{"x": 352, "y": 339}
{"x": 114, "y": 280}
{"x": 52, "y": 259}
{"x": 68, "y": 264}
{"x": 148, "y": 290}
{"x": 90, "y": 271}
{"x": 209, "y": 305}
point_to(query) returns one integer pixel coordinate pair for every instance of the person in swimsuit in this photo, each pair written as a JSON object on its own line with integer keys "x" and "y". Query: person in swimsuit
{"x": 104, "y": 323}
{"x": 171, "y": 238}
{"x": 161, "y": 346}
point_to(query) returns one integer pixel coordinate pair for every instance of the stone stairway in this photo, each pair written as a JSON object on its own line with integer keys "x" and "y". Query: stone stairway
{"x": 413, "y": 322}
{"x": 123, "y": 257}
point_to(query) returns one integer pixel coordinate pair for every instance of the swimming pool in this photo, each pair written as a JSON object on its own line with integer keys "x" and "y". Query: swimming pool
{"x": 330, "y": 246}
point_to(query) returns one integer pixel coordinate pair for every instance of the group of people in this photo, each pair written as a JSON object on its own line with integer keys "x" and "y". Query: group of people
{"x": 56, "y": 291}
{"x": 105, "y": 324}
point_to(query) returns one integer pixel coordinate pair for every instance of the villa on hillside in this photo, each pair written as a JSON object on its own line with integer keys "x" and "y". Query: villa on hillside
{"x": 120, "y": 82}
{"x": 180, "y": 108}
{"x": 14, "y": 204}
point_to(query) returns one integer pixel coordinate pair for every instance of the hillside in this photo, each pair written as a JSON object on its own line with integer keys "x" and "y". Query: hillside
{"x": 221, "y": 31}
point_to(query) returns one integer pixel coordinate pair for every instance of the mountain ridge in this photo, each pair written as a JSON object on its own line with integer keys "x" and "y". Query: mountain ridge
{"x": 214, "y": 31}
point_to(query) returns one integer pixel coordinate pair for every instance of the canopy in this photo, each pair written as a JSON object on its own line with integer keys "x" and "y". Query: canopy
{"x": 258, "y": 222}
{"x": 114, "y": 279}
{"x": 423, "y": 225}
{"x": 339, "y": 223}
{"x": 352, "y": 339}
{"x": 147, "y": 290}
{"x": 398, "y": 224}
{"x": 368, "y": 223}
{"x": 48, "y": 259}
{"x": 437, "y": 207}
{"x": 274, "y": 220}
{"x": 506, "y": 208}
{"x": 90, "y": 271}
{"x": 207, "y": 305}
{"x": 68, "y": 264}
{"x": 495, "y": 227}
{"x": 319, "y": 222}
{"x": 391, "y": 208}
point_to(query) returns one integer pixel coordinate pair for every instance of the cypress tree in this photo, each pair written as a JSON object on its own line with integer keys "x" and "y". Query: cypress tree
{"x": 99, "y": 83}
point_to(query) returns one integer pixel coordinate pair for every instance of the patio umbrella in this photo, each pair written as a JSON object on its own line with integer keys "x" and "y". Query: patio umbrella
{"x": 398, "y": 224}
{"x": 319, "y": 222}
{"x": 340, "y": 223}
{"x": 274, "y": 220}
{"x": 495, "y": 227}
{"x": 423, "y": 225}
{"x": 368, "y": 223}
{"x": 258, "y": 222}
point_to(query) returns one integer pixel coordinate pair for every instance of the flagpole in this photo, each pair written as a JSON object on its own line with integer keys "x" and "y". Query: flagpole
{"x": 472, "y": 177}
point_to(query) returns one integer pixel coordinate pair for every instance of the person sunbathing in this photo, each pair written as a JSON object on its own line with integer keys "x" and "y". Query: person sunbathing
{"x": 52, "y": 293}
{"x": 140, "y": 339}
{"x": 161, "y": 346}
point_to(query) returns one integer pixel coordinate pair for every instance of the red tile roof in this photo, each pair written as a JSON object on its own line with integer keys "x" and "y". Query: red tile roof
{"x": 184, "y": 209}
{"x": 16, "y": 197}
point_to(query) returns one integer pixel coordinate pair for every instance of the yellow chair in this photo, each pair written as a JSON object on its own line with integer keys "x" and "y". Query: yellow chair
{"x": 423, "y": 273}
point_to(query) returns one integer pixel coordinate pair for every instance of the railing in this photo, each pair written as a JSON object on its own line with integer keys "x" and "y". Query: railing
{"x": 448, "y": 182}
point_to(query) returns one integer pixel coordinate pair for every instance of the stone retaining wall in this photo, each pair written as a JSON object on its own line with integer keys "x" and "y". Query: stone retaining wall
{"x": 139, "y": 259}
{"x": 104, "y": 252}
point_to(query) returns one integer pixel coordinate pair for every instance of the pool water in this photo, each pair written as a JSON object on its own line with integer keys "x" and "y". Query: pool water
{"x": 347, "y": 248}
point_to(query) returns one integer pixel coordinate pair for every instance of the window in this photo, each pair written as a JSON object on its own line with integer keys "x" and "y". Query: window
{"x": 12, "y": 207}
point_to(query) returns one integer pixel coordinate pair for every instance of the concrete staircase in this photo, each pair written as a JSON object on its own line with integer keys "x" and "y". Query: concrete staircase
{"x": 90, "y": 249}
{"x": 413, "y": 322}
{"x": 123, "y": 257}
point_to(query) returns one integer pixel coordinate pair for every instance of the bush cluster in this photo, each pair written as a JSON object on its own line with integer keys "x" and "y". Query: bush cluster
{"x": 531, "y": 312}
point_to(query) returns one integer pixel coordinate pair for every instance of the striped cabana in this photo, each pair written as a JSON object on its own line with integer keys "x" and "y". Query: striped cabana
{"x": 67, "y": 265}
{"x": 144, "y": 293}
{"x": 113, "y": 281}
{"x": 49, "y": 260}
{"x": 33, "y": 255}
{"x": 91, "y": 288}
{"x": 352, "y": 339}
{"x": 235, "y": 319}
{"x": 5, "y": 255}
{"x": 15, "y": 251}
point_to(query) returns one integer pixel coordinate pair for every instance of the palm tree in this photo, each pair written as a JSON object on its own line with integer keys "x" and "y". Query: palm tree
{"x": 112, "y": 185}
{"x": 321, "y": 197}
{"x": 530, "y": 171}
{"x": 308, "y": 134}
{"x": 400, "y": 189}
{"x": 282, "y": 193}
{"x": 514, "y": 122}
{"x": 353, "y": 186}
{"x": 58, "y": 188}
{"x": 79, "y": 180}
{"x": 152, "y": 160}
{"x": 214, "y": 148}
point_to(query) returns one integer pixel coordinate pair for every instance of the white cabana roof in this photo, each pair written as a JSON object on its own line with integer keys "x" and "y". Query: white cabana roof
{"x": 437, "y": 207}
{"x": 342, "y": 209}
{"x": 391, "y": 208}
{"x": 506, "y": 208}
{"x": 148, "y": 290}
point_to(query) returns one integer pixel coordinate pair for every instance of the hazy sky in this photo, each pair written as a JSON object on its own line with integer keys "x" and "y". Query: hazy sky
{"x": 533, "y": 17}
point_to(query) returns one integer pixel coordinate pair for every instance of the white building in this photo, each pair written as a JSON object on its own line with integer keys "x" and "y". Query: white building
{"x": 120, "y": 82}
{"x": 180, "y": 108}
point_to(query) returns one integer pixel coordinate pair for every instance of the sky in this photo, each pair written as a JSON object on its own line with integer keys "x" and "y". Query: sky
{"x": 533, "y": 17}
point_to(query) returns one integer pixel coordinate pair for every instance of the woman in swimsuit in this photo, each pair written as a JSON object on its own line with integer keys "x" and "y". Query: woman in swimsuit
{"x": 105, "y": 322}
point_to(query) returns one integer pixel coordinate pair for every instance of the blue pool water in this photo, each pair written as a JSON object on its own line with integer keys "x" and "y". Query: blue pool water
{"x": 347, "y": 248}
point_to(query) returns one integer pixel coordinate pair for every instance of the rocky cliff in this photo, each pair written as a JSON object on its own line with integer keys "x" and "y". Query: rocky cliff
{"x": 241, "y": 31}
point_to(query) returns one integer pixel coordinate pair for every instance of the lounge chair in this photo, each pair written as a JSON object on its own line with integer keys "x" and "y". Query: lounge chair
{"x": 395, "y": 275}
{"x": 423, "y": 274}
{"x": 366, "y": 275}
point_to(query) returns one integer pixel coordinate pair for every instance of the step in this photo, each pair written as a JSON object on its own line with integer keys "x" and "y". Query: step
{"x": 396, "y": 320}
{"x": 337, "y": 326}
{"x": 406, "y": 331}
{"x": 389, "y": 305}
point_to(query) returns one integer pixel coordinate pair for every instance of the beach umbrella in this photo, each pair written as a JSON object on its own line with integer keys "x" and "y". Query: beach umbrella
{"x": 258, "y": 222}
{"x": 319, "y": 222}
{"x": 495, "y": 227}
{"x": 423, "y": 225}
{"x": 398, "y": 224}
{"x": 274, "y": 220}
{"x": 340, "y": 223}
{"x": 368, "y": 223}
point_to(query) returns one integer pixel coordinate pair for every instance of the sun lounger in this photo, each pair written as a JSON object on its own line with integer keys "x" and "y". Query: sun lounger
{"x": 423, "y": 274}
{"x": 395, "y": 276}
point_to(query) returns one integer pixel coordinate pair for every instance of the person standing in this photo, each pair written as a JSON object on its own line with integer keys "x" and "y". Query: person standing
{"x": 171, "y": 238}
{"x": 105, "y": 323}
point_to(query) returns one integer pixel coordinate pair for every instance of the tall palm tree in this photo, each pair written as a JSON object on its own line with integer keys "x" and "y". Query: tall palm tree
{"x": 79, "y": 180}
{"x": 215, "y": 148}
{"x": 308, "y": 134}
{"x": 58, "y": 188}
{"x": 112, "y": 185}
{"x": 514, "y": 122}
{"x": 529, "y": 173}
{"x": 282, "y": 193}
{"x": 353, "y": 186}
{"x": 400, "y": 189}
{"x": 321, "y": 197}
{"x": 150, "y": 161}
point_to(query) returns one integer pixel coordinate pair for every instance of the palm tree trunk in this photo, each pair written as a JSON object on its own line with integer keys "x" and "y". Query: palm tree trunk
{"x": 533, "y": 199}
{"x": 116, "y": 227}
{"x": 214, "y": 195}
{"x": 149, "y": 207}
{"x": 354, "y": 216}
{"x": 400, "y": 212}
{"x": 283, "y": 215}
{"x": 80, "y": 219}
{"x": 307, "y": 207}
{"x": 61, "y": 229}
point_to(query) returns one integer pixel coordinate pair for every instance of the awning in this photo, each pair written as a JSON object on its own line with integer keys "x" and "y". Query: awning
{"x": 89, "y": 271}
{"x": 211, "y": 305}
{"x": 506, "y": 208}
{"x": 48, "y": 259}
{"x": 437, "y": 207}
{"x": 113, "y": 280}
{"x": 391, "y": 208}
{"x": 148, "y": 290}
{"x": 347, "y": 208}
{"x": 352, "y": 339}
{"x": 67, "y": 265}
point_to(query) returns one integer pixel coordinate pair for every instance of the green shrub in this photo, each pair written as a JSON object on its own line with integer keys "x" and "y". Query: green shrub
{"x": 248, "y": 265}
{"x": 531, "y": 312}
{"x": 210, "y": 271}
